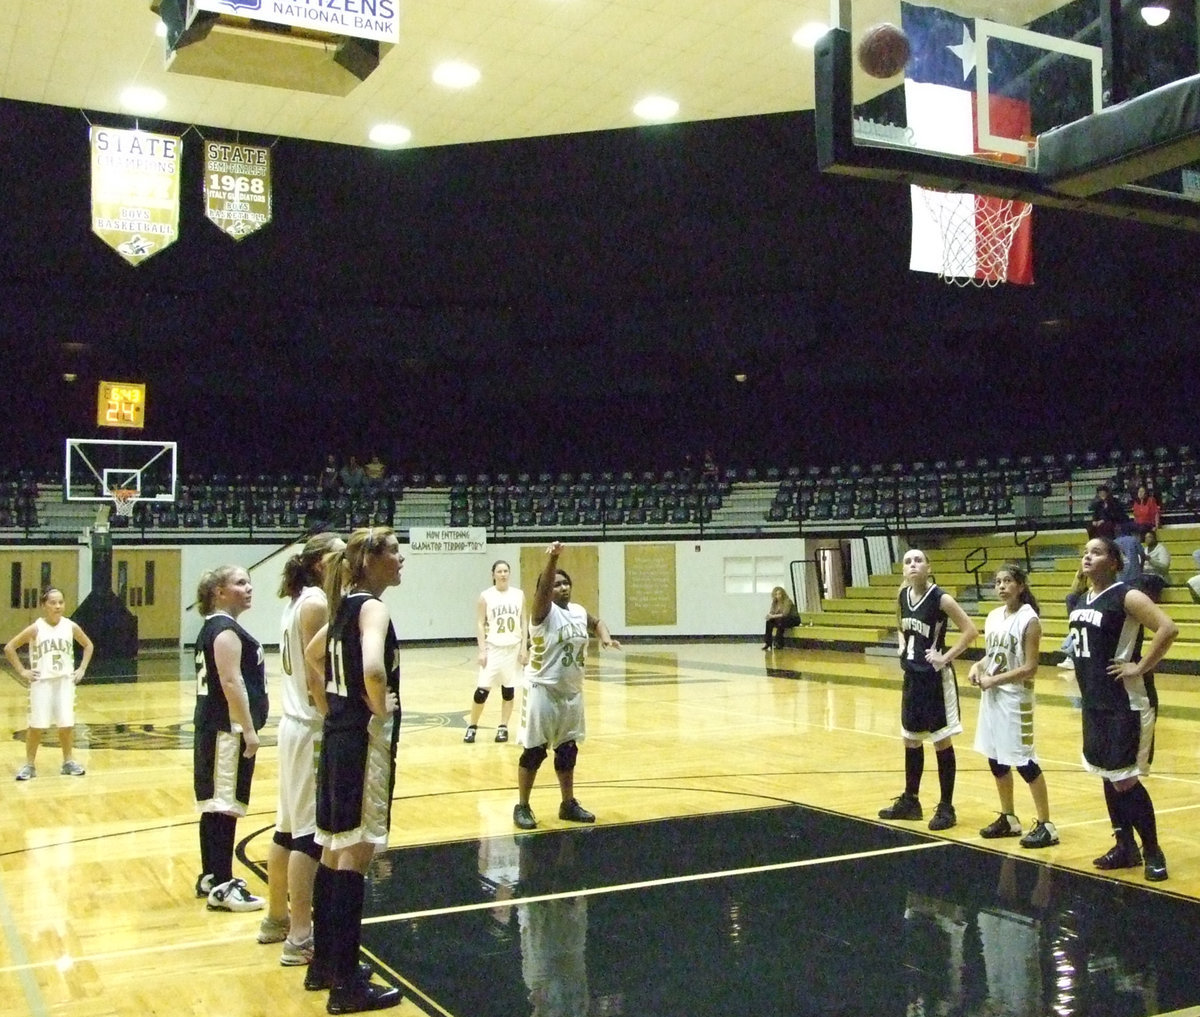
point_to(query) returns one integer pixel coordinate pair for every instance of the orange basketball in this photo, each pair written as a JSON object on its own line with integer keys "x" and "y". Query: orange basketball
{"x": 883, "y": 50}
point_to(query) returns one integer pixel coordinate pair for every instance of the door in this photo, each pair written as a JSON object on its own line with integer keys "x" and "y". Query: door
{"x": 148, "y": 583}
{"x": 26, "y": 573}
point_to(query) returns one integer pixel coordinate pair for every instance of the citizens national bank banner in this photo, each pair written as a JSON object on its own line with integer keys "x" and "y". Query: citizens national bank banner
{"x": 135, "y": 191}
{"x": 362, "y": 19}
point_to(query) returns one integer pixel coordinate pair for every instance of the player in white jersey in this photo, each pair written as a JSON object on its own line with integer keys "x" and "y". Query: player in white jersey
{"x": 293, "y": 855}
{"x": 1004, "y": 675}
{"x": 502, "y": 635}
{"x": 552, "y": 710}
{"x": 51, "y": 678}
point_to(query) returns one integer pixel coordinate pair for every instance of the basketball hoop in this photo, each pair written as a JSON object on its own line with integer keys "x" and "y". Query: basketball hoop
{"x": 976, "y": 235}
{"x": 124, "y": 498}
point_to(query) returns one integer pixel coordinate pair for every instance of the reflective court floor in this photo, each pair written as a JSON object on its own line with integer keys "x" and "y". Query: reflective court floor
{"x": 737, "y": 865}
{"x": 784, "y": 910}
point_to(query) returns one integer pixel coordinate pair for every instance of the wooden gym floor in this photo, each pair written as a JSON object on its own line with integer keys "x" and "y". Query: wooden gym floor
{"x": 736, "y": 867}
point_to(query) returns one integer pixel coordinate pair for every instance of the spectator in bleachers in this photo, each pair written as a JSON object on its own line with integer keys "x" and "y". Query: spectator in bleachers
{"x": 330, "y": 478}
{"x": 1146, "y": 511}
{"x": 1156, "y": 566}
{"x": 352, "y": 475}
{"x": 1193, "y": 584}
{"x": 781, "y": 616}
{"x": 1106, "y": 513}
{"x": 375, "y": 470}
{"x": 709, "y": 472}
{"x": 1131, "y": 551}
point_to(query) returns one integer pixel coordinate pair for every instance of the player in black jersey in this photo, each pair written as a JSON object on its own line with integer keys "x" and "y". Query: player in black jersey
{"x": 1116, "y": 687}
{"x": 231, "y": 707}
{"x": 357, "y": 651}
{"x": 929, "y": 703}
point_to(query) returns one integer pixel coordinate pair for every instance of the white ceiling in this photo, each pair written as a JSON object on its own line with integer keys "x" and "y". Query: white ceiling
{"x": 548, "y": 66}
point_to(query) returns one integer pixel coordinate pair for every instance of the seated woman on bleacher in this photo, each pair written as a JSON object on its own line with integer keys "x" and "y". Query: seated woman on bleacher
{"x": 781, "y": 617}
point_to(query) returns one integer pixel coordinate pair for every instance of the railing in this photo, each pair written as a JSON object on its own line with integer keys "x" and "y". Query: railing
{"x": 975, "y": 569}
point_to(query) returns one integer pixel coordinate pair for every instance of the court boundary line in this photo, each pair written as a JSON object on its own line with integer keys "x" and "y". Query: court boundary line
{"x": 645, "y": 884}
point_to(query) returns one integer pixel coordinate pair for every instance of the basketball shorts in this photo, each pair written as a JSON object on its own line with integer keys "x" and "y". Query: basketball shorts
{"x": 299, "y": 742}
{"x": 551, "y": 716}
{"x": 502, "y": 664}
{"x": 52, "y": 702}
{"x": 1004, "y": 731}
{"x": 929, "y": 705}
{"x": 221, "y": 775}
{"x": 1117, "y": 743}
{"x": 356, "y": 775}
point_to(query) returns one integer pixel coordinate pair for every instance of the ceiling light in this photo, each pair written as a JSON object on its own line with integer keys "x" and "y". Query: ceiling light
{"x": 806, "y": 36}
{"x": 1155, "y": 13}
{"x": 390, "y": 135}
{"x": 656, "y": 107}
{"x": 139, "y": 99}
{"x": 455, "y": 74}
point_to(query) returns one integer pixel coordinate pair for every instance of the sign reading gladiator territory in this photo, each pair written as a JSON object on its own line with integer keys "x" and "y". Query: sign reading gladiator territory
{"x": 135, "y": 191}
{"x": 237, "y": 187}
{"x": 361, "y": 19}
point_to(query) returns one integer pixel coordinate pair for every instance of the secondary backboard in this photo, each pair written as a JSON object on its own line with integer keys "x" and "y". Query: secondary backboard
{"x": 992, "y": 91}
{"x": 97, "y": 467}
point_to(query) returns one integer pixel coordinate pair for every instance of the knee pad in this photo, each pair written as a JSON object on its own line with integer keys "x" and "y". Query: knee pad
{"x": 998, "y": 769}
{"x": 481, "y": 695}
{"x": 284, "y": 840}
{"x": 531, "y": 759}
{"x": 507, "y": 692}
{"x": 1029, "y": 772}
{"x": 564, "y": 756}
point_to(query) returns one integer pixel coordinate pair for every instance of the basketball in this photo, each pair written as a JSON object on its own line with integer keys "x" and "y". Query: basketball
{"x": 883, "y": 50}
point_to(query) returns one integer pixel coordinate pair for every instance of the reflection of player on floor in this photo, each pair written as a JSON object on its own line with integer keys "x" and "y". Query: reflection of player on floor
{"x": 293, "y": 855}
{"x": 553, "y": 934}
{"x": 1004, "y": 675}
{"x": 552, "y": 710}
{"x": 51, "y": 679}
{"x": 502, "y": 634}
{"x": 929, "y": 703}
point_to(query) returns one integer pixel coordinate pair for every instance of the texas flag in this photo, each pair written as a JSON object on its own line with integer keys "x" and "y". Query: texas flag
{"x": 939, "y": 94}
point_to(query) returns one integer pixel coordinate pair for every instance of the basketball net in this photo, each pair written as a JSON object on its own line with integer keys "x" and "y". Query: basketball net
{"x": 976, "y": 236}
{"x": 124, "y": 499}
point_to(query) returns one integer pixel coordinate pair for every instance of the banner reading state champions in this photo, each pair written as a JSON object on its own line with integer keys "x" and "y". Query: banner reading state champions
{"x": 135, "y": 190}
{"x": 237, "y": 187}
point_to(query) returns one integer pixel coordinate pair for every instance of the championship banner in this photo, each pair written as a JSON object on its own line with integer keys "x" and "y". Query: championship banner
{"x": 135, "y": 191}
{"x": 362, "y": 19}
{"x": 237, "y": 187}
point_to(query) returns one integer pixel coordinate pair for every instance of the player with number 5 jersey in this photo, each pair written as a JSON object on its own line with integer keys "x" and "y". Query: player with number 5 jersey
{"x": 929, "y": 703}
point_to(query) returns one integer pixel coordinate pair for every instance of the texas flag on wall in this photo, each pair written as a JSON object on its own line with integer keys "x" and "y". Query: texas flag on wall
{"x": 939, "y": 95}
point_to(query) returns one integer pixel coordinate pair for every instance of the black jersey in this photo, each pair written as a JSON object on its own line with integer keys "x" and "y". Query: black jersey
{"x": 1104, "y": 633}
{"x": 212, "y": 708}
{"x": 922, "y": 627}
{"x": 345, "y": 687}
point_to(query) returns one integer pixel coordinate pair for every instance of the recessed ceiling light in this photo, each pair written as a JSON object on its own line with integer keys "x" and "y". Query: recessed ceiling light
{"x": 139, "y": 99}
{"x": 1155, "y": 14}
{"x": 160, "y": 29}
{"x": 390, "y": 135}
{"x": 806, "y": 36}
{"x": 455, "y": 74}
{"x": 656, "y": 107}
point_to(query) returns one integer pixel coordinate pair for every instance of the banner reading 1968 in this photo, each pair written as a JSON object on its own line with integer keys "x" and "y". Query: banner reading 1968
{"x": 135, "y": 191}
{"x": 237, "y": 187}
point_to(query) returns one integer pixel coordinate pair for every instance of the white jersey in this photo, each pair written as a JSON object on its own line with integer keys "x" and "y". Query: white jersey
{"x": 502, "y": 616}
{"x": 52, "y": 649}
{"x": 559, "y": 647}
{"x": 296, "y": 701}
{"x": 1005, "y": 725}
